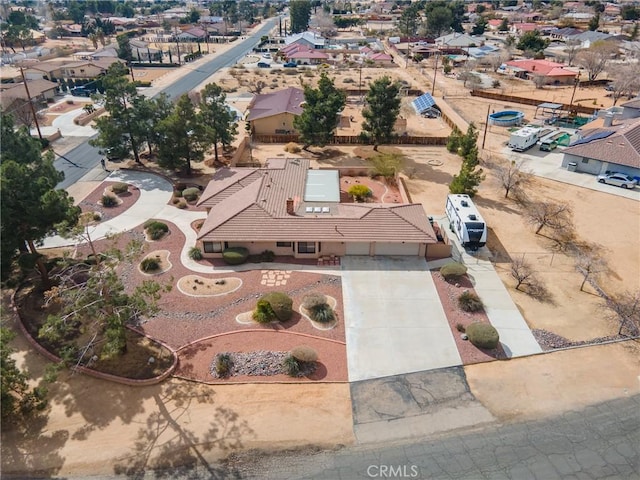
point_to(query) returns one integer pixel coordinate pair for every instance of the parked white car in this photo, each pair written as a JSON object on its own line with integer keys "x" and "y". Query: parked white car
{"x": 617, "y": 179}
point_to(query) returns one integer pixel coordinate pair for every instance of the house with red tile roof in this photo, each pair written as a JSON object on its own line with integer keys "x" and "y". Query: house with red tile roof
{"x": 273, "y": 113}
{"x": 308, "y": 57}
{"x": 293, "y": 210}
{"x": 552, "y": 73}
{"x": 614, "y": 147}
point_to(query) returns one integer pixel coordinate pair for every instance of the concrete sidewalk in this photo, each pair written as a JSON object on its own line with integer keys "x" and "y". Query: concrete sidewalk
{"x": 515, "y": 335}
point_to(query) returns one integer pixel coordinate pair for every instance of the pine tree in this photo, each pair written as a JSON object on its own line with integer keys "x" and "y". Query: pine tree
{"x": 218, "y": 120}
{"x": 382, "y": 110}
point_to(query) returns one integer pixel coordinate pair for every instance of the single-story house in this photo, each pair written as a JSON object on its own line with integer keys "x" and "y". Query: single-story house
{"x": 192, "y": 35}
{"x": 459, "y": 40}
{"x": 292, "y": 210}
{"x": 522, "y": 28}
{"x": 552, "y": 72}
{"x": 308, "y": 39}
{"x": 308, "y": 57}
{"x": 273, "y": 113}
{"x": 39, "y": 90}
{"x": 614, "y": 147}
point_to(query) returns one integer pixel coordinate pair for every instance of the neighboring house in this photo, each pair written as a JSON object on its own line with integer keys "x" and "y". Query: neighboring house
{"x": 308, "y": 57}
{"x": 381, "y": 59}
{"x": 522, "y": 28}
{"x": 44, "y": 70}
{"x": 85, "y": 69}
{"x": 192, "y": 35}
{"x": 290, "y": 209}
{"x": 273, "y": 113}
{"x": 481, "y": 52}
{"x": 552, "y": 73}
{"x": 39, "y": 90}
{"x": 614, "y": 147}
{"x": 565, "y": 33}
{"x": 143, "y": 53}
{"x": 459, "y": 40}
{"x": 587, "y": 38}
{"x": 308, "y": 39}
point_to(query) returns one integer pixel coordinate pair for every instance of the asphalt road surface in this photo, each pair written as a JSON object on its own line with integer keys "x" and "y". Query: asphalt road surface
{"x": 76, "y": 163}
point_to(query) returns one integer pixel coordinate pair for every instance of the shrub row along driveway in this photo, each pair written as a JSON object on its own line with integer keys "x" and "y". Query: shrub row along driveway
{"x": 394, "y": 320}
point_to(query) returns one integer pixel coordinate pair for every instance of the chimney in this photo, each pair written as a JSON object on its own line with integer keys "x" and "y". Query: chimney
{"x": 290, "y": 209}
{"x": 608, "y": 120}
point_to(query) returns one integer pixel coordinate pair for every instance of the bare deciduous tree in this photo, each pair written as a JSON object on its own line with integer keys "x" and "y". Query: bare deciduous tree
{"x": 572, "y": 47}
{"x": 511, "y": 175}
{"x": 554, "y": 216}
{"x": 595, "y": 58}
{"x": 626, "y": 80}
{"x": 522, "y": 272}
{"x": 626, "y": 308}
{"x": 589, "y": 263}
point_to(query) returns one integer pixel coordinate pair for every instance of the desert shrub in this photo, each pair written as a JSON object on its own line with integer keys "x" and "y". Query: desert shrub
{"x": 175, "y": 201}
{"x": 496, "y": 84}
{"x": 263, "y": 312}
{"x": 304, "y": 354}
{"x": 108, "y": 201}
{"x": 181, "y": 204}
{"x": 348, "y": 80}
{"x": 177, "y": 194}
{"x": 470, "y": 302}
{"x": 291, "y": 366}
{"x": 180, "y": 186}
{"x": 223, "y": 364}
{"x": 292, "y": 147}
{"x": 281, "y": 304}
{"x": 155, "y": 229}
{"x": 453, "y": 271}
{"x": 119, "y": 188}
{"x": 460, "y": 327}
{"x": 312, "y": 300}
{"x": 266, "y": 256}
{"x": 483, "y": 335}
{"x": 96, "y": 217}
{"x": 360, "y": 192}
{"x": 191, "y": 194}
{"x": 150, "y": 264}
{"x": 322, "y": 314}
{"x": 195, "y": 253}
{"x": 235, "y": 255}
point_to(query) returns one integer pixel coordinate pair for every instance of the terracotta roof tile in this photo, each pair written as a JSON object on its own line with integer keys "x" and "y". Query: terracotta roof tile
{"x": 288, "y": 100}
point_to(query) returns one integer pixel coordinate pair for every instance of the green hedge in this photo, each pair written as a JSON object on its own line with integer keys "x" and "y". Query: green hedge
{"x": 155, "y": 229}
{"x": 483, "y": 335}
{"x": 191, "y": 194}
{"x": 453, "y": 270}
{"x": 280, "y": 303}
{"x": 235, "y": 255}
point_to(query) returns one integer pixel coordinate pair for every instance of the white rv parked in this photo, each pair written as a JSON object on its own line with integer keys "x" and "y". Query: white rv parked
{"x": 522, "y": 139}
{"x": 466, "y": 222}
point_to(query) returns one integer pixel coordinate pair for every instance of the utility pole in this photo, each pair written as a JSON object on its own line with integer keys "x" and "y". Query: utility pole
{"x": 575, "y": 85}
{"x": 33, "y": 110}
{"x": 486, "y": 126}
{"x": 435, "y": 72}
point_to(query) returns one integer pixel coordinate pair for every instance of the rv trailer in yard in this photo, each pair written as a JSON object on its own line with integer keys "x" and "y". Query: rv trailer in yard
{"x": 466, "y": 222}
{"x": 523, "y": 139}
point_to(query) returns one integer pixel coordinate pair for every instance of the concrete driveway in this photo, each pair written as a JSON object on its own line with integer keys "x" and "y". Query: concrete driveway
{"x": 394, "y": 320}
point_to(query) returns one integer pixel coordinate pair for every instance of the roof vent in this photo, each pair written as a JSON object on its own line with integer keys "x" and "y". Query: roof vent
{"x": 472, "y": 217}
{"x": 308, "y": 209}
{"x": 326, "y": 209}
{"x": 464, "y": 203}
{"x": 317, "y": 210}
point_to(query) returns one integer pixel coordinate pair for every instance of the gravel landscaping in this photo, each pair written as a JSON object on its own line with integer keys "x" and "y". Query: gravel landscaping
{"x": 261, "y": 363}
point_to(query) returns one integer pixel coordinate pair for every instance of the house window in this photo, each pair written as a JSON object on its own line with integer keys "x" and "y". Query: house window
{"x": 212, "y": 247}
{"x": 283, "y": 244}
{"x": 73, "y": 72}
{"x": 585, "y": 160}
{"x": 306, "y": 247}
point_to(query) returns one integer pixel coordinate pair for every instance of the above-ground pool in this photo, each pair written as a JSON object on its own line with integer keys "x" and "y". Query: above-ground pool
{"x": 506, "y": 118}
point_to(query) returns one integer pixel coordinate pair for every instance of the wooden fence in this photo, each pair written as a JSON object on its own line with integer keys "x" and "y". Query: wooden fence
{"x": 355, "y": 140}
{"x": 529, "y": 101}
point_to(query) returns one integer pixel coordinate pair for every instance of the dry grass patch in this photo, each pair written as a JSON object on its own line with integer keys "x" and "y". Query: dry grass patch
{"x": 198, "y": 286}
{"x": 162, "y": 256}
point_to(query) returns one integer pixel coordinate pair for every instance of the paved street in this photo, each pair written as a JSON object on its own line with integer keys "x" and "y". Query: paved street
{"x": 599, "y": 442}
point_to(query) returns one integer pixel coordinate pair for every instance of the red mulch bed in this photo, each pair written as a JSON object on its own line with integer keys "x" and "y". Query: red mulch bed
{"x": 382, "y": 192}
{"x": 449, "y": 294}
{"x": 91, "y": 203}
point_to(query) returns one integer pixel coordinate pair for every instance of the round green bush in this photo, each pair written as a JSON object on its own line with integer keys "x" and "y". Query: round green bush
{"x": 119, "y": 188}
{"x": 156, "y": 229}
{"x": 108, "y": 201}
{"x": 470, "y": 302}
{"x": 281, "y": 304}
{"x": 191, "y": 194}
{"x": 150, "y": 264}
{"x": 223, "y": 364}
{"x": 360, "y": 192}
{"x": 235, "y": 255}
{"x": 195, "y": 253}
{"x": 483, "y": 335}
{"x": 291, "y": 366}
{"x": 453, "y": 270}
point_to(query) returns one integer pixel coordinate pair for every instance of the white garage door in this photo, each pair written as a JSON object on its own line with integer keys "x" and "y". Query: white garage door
{"x": 397, "y": 249}
{"x": 358, "y": 248}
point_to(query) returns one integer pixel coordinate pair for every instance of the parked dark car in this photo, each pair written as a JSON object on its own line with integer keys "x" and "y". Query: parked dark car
{"x": 290, "y": 65}
{"x": 263, "y": 65}
{"x": 81, "y": 92}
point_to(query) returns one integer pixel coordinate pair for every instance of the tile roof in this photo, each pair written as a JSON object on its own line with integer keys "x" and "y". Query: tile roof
{"x": 264, "y": 105}
{"x": 541, "y": 67}
{"x": 635, "y": 103}
{"x": 250, "y": 205}
{"x": 620, "y": 148}
{"x": 309, "y": 54}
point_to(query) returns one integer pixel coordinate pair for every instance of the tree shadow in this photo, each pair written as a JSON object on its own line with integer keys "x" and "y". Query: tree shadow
{"x": 485, "y": 202}
{"x": 165, "y": 447}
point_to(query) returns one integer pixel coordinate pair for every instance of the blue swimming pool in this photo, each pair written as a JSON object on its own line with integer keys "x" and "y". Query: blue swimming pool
{"x": 506, "y": 118}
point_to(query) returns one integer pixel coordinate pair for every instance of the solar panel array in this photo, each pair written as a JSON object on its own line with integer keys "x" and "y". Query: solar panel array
{"x": 423, "y": 103}
{"x": 591, "y": 138}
